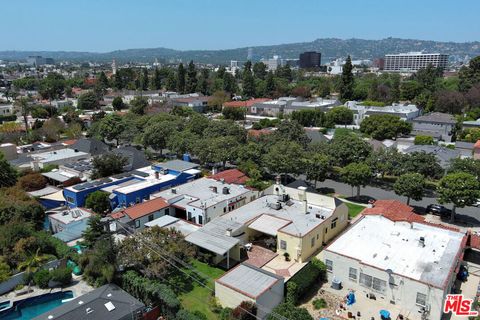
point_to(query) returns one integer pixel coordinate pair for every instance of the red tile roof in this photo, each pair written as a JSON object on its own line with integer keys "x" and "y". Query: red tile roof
{"x": 142, "y": 209}
{"x": 234, "y": 176}
{"x": 257, "y": 133}
{"x": 244, "y": 104}
{"x": 393, "y": 210}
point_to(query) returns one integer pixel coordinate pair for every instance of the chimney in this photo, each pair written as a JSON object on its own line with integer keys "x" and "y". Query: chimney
{"x": 228, "y": 232}
{"x": 302, "y": 196}
{"x": 225, "y": 190}
{"x": 278, "y": 180}
{"x": 157, "y": 175}
{"x": 214, "y": 189}
{"x": 422, "y": 241}
{"x": 222, "y": 181}
{"x": 174, "y": 191}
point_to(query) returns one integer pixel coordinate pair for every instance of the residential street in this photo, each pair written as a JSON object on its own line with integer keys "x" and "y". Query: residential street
{"x": 469, "y": 215}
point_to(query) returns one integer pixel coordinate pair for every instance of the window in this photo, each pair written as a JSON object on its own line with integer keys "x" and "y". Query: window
{"x": 167, "y": 211}
{"x": 312, "y": 242}
{"x": 150, "y": 217}
{"x": 421, "y": 299}
{"x": 379, "y": 285}
{"x": 352, "y": 274}
{"x": 225, "y": 210}
{"x": 137, "y": 223}
{"x": 70, "y": 199}
{"x": 326, "y": 230}
{"x": 329, "y": 264}
{"x": 334, "y": 223}
{"x": 318, "y": 235}
{"x": 200, "y": 219}
{"x": 283, "y": 244}
{"x": 189, "y": 216}
{"x": 137, "y": 200}
{"x": 365, "y": 280}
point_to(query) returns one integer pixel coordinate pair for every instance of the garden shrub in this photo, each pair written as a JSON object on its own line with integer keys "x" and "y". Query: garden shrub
{"x": 304, "y": 279}
{"x": 41, "y": 278}
{"x": 62, "y": 276}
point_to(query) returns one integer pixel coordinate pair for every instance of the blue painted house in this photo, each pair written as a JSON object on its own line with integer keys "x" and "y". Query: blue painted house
{"x": 136, "y": 186}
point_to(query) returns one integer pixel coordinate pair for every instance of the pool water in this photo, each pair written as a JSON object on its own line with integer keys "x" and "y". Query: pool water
{"x": 31, "y": 307}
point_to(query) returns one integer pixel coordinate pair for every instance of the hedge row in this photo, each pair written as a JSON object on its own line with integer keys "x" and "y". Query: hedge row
{"x": 305, "y": 278}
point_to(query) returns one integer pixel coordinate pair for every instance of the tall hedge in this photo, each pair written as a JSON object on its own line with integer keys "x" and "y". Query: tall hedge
{"x": 302, "y": 280}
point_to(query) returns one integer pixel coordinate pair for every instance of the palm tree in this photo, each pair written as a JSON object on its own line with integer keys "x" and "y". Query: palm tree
{"x": 33, "y": 262}
{"x": 22, "y": 103}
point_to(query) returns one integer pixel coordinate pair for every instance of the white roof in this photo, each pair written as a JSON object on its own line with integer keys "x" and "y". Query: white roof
{"x": 70, "y": 215}
{"x": 59, "y": 154}
{"x": 249, "y": 280}
{"x": 171, "y": 222}
{"x": 43, "y": 192}
{"x": 387, "y": 245}
{"x": 268, "y": 224}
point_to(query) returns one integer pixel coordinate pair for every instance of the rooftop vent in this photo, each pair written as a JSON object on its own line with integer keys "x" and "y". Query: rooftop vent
{"x": 422, "y": 241}
{"x": 89, "y": 310}
{"x": 214, "y": 189}
{"x": 275, "y": 206}
{"x": 225, "y": 190}
{"x": 174, "y": 191}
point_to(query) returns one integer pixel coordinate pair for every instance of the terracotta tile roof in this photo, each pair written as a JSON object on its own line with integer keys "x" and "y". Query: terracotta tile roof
{"x": 234, "y": 176}
{"x": 244, "y": 104}
{"x": 477, "y": 145}
{"x": 393, "y": 210}
{"x": 69, "y": 142}
{"x": 142, "y": 209}
{"x": 258, "y": 133}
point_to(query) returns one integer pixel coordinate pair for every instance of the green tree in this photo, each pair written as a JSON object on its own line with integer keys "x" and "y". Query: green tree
{"x": 410, "y": 185}
{"x": 234, "y": 113}
{"x": 385, "y": 126}
{"x": 357, "y": 175}
{"x": 102, "y": 80}
{"x": 203, "y": 81}
{"x": 33, "y": 262}
{"x": 468, "y": 165}
{"x": 217, "y": 150}
{"x": 117, "y": 103}
{"x": 191, "y": 83}
{"x": 181, "y": 73}
{"x": 88, "y": 101}
{"x": 349, "y": 148}
{"x": 95, "y": 230}
{"x": 156, "y": 135}
{"x": 139, "y": 105}
{"x": 317, "y": 166}
{"x": 270, "y": 84}
{"x": 459, "y": 188}
{"x": 8, "y": 175}
{"x": 181, "y": 142}
{"x": 284, "y": 157}
{"x": 99, "y": 202}
{"x": 171, "y": 82}
{"x": 340, "y": 115}
{"x": 108, "y": 164}
{"x": 157, "y": 80}
{"x": 260, "y": 70}
{"x": 144, "y": 80}
{"x": 469, "y": 75}
{"x": 420, "y": 162}
{"x": 424, "y": 140}
{"x": 248, "y": 81}
{"x": 289, "y": 311}
{"x": 111, "y": 127}
{"x": 347, "y": 81}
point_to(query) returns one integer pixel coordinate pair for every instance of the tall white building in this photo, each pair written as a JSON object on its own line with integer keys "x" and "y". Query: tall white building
{"x": 414, "y": 61}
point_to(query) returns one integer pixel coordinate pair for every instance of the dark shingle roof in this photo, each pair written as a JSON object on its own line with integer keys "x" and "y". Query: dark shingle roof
{"x": 136, "y": 158}
{"x": 94, "y": 301}
{"x": 92, "y": 146}
{"x": 444, "y": 155}
{"x": 436, "y": 117}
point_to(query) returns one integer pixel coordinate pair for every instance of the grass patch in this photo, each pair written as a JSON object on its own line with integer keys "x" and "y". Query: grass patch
{"x": 319, "y": 304}
{"x": 200, "y": 298}
{"x": 353, "y": 209}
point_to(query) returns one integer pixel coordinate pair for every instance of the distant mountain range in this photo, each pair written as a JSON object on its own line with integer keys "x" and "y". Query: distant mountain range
{"x": 329, "y": 47}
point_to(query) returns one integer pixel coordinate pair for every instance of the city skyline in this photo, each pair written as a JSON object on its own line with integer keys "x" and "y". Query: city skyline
{"x": 103, "y": 26}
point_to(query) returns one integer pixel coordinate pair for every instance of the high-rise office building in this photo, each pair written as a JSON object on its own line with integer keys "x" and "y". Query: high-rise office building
{"x": 310, "y": 59}
{"x": 414, "y": 61}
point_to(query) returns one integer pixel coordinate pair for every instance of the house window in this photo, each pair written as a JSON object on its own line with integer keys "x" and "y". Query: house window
{"x": 379, "y": 285}
{"x": 137, "y": 223}
{"x": 334, "y": 223}
{"x": 366, "y": 280}
{"x": 312, "y": 242}
{"x": 167, "y": 211}
{"x": 421, "y": 299}
{"x": 352, "y": 274}
{"x": 150, "y": 217}
{"x": 326, "y": 230}
{"x": 189, "y": 216}
{"x": 200, "y": 219}
{"x": 283, "y": 244}
{"x": 137, "y": 200}
{"x": 329, "y": 264}
{"x": 225, "y": 210}
{"x": 318, "y": 235}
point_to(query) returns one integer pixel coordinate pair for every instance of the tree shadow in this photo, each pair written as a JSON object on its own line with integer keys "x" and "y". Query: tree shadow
{"x": 362, "y": 199}
{"x": 326, "y": 190}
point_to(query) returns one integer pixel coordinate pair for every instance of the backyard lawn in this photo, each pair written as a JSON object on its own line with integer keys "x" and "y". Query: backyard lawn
{"x": 353, "y": 209}
{"x": 199, "y": 298}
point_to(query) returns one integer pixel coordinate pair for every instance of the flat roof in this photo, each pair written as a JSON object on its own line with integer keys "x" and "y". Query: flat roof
{"x": 59, "y": 176}
{"x": 180, "y": 225}
{"x": 200, "y": 193}
{"x": 387, "y": 245}
{"x": 59, "y": 154}
{"x": 177, "y": 165}
{"x": 293, "y": 211}
{"x": 249, "y": 280}
{"x": 70, "y": 215}
{"x": 268, "y": 224}
{"x": 43, "y": 192}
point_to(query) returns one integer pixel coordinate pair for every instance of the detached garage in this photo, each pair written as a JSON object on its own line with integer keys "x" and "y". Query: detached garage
{"x": 248, "y": 283}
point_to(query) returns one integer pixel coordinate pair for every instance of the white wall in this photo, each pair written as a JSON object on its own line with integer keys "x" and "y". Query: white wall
{"x": 403, "y": 291}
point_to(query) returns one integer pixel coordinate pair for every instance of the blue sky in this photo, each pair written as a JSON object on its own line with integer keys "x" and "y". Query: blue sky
{"x": 101, "y": 25}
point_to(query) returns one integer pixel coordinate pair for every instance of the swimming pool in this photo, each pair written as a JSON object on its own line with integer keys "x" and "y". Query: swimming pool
{"x": 35, "y": 306}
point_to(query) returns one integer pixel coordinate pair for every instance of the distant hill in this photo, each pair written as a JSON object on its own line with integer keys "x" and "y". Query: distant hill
{"x": 330, "y": 48}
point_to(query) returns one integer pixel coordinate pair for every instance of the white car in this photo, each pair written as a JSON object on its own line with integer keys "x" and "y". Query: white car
{"x": 477, "y": 204}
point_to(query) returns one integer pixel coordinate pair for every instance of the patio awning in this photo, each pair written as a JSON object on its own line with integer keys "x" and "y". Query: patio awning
{"x": 57, "y": 196}
{"x": 268, "y": 224}
{"x": 216, "y": 243}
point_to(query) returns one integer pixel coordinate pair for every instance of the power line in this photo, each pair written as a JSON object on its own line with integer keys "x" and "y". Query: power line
{"x": 261, "y": 307}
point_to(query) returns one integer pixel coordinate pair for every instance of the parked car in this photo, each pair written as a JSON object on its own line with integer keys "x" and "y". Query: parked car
{"x": 477, "y": 204}
{"x": 437, "y": 209}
